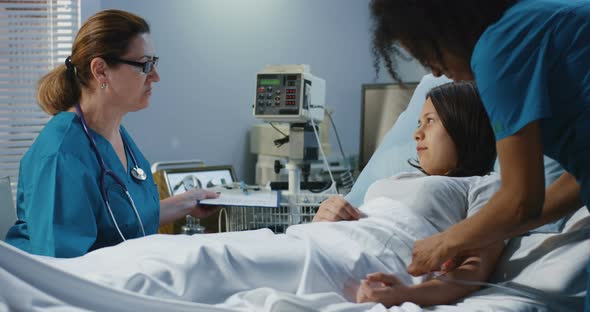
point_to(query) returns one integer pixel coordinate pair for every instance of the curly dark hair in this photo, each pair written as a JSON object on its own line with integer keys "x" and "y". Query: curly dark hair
{"x": 463, "y": 115}
{"x": 426, "y": 26}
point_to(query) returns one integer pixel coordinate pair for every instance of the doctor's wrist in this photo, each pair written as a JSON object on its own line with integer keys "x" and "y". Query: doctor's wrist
{"x": 453, "y": 242}
{"x": 184, "y": 204}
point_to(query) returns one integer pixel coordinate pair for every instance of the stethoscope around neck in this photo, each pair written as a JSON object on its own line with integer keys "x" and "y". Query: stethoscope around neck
{"x": 136, "y": 172}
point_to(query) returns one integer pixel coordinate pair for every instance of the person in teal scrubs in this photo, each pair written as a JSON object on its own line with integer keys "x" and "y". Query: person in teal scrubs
{"x": 530, "y": 60}
{"x": 84, "y": 158}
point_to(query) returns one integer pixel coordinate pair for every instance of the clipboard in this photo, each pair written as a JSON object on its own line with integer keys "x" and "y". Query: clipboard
{"x": 251, "y": 198}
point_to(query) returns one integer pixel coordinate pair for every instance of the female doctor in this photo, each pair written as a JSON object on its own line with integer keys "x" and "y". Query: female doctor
{"x": 84, "y": 184}
{"x": 530, "y": 59}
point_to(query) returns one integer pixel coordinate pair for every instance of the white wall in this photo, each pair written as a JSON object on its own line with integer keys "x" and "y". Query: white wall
{"x": 210, "y": 51}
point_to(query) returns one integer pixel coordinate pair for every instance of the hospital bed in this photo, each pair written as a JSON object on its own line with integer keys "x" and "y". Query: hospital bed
{"x": 548, "y": 267}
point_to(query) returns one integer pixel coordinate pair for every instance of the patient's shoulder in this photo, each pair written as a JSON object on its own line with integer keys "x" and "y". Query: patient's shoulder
{"x": 481, "y": 190}
{"x": 490, "y": 181}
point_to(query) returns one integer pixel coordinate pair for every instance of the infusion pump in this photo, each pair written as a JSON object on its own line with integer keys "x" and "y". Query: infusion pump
{"x": 289, "y": 93}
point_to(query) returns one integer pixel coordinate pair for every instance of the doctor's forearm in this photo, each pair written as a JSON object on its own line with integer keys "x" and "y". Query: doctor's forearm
{"x": 502, "y": 218}
{"x": 562, "y": 197}
{"x": 172, "y": 209}
{"x": 518, "y": 201}
{"x": 477, "y": 268}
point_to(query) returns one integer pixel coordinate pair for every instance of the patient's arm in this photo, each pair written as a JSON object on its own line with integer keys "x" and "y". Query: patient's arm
{"x": 336, "y": 208}
{"x": 386, "y": 289}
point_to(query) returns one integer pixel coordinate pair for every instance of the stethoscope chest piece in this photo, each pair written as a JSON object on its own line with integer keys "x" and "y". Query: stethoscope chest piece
{"x": 138, "y": 173}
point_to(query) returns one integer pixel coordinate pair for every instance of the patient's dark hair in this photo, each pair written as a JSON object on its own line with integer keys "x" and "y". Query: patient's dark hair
{"x": 463, "y": 115}
{"x": 426, "y": 26}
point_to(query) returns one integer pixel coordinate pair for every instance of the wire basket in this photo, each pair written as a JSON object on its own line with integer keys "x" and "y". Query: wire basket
{"x": 294, "y": 209}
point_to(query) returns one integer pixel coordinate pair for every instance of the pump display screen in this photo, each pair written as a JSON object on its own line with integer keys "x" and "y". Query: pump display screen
{"x": 270, "y": 82}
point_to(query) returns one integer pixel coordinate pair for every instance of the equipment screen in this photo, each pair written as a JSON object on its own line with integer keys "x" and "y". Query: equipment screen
{"x": 271, "y": 82}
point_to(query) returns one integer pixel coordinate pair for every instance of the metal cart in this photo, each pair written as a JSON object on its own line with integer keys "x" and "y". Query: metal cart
{"x": 294, "y": 209}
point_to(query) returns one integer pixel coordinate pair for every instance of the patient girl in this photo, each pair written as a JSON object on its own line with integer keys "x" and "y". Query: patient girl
{"x": 456, "y": 152}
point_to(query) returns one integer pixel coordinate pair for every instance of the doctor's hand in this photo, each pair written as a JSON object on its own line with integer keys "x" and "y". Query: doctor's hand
{"x": 336, "y": 208}
{"x": 383, "y": 288}
{"x": 192, "y": 197}
{"x": 432, "y": 254}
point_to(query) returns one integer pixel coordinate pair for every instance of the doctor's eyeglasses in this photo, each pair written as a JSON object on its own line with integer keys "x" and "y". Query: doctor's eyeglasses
{"x": 146, "y": 67}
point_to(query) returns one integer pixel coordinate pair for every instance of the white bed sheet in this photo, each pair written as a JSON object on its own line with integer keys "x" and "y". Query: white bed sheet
{"x": 317, "y": 271}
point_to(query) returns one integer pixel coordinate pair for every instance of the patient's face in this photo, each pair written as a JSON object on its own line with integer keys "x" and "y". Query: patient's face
{"x": 436, "y": 150}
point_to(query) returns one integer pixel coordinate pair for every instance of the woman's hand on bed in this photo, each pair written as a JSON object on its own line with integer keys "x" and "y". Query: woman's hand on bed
{"x": 384, "y": 288}
{"x": 336, "y": 208}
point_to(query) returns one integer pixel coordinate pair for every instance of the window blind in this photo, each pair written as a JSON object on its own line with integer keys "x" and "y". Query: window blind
{"x": 35, "y": 36}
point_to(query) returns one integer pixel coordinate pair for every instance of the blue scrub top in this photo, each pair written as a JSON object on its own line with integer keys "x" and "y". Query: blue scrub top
{"x": 534, "y": 65}
{"x": 61, "y": 212}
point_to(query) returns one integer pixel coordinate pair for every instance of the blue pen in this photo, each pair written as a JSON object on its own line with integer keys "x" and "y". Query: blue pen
{"x": 244, "y": 188}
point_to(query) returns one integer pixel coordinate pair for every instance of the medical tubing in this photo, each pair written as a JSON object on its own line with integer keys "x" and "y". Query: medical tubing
{"x": 336, "y": 133}
{"x": 317, "y": 137}
{"x": 347, "y": 177}
{"x": 281, "y": 141}
{"x": 339, "y": 142}
{"x": 278, "y": 130}
{"x": 509, "y": 289}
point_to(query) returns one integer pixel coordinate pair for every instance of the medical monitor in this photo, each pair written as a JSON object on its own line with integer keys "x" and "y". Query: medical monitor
{"x": 381, "y": 106}
{"x": 289, "y": 93}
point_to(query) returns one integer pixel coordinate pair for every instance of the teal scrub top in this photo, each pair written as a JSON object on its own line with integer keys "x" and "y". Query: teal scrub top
{"x": 534, "y": 65}
{"x": 60, "y": 210}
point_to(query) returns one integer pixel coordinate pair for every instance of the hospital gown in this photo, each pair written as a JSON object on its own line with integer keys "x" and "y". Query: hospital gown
{"x": 309, "y": 258}
{"x": 60, "y": 209}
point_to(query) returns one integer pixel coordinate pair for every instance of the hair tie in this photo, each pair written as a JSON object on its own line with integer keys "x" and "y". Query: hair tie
{"x": 69, "y": 64}
{"x": 70, "y": 68}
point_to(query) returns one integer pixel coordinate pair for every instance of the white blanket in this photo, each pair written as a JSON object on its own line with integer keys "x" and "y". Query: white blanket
{"x": 313, "y": 267}
{"x": 244, "y": 270}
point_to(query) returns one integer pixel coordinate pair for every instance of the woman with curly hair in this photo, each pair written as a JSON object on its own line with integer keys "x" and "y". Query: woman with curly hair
{"x": 530, "y": 60}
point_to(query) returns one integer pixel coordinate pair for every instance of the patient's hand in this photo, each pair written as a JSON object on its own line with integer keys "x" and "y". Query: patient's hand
{"x": 383, "y": 288}
{"x": 336, "y": 208}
